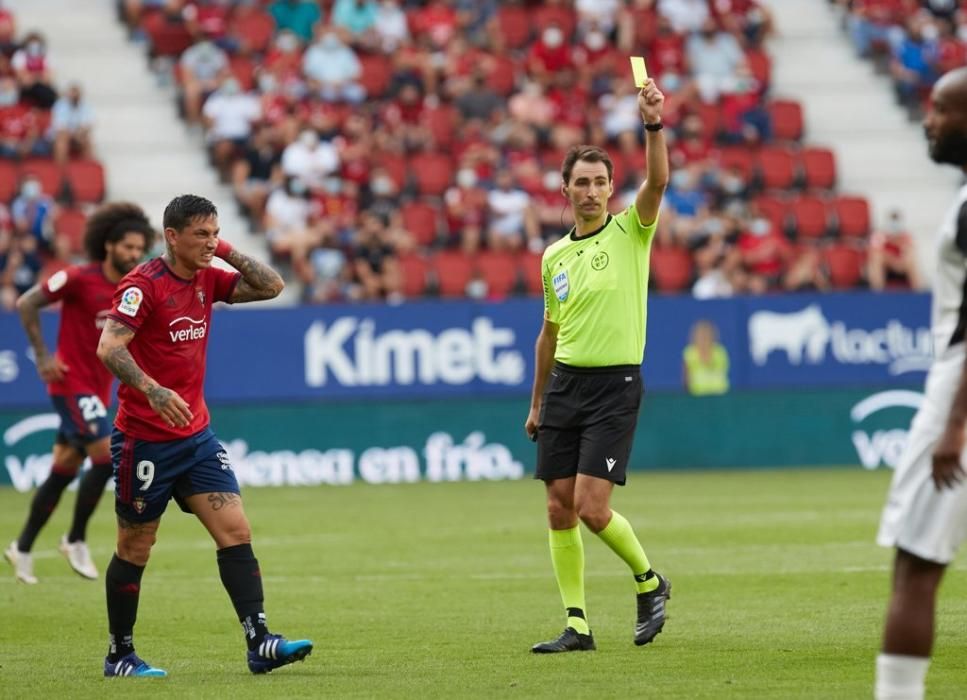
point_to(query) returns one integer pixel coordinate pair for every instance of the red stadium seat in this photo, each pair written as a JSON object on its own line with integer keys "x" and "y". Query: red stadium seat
{"x": 167, "y": 38}
{"x": 544, "y": 16}
{"x": 395, "y": 166}
{"x": 453, "y": 270}
{"x": 513, "y": 24}
{"x": 243, "y": 68}
{"x": 442, "y": 123}
{"x": 787, "y": 121}
{"x": 777, "y": 167}
{"x": 86, "y": 179}
{"x": 760, "y": 65}
{"x": 499, "y": 270}
{"x": 810, "y": 216}
{"x": 503, "y": 76}
{"x": 671, "y": 268}
{"x": 852, "y": 216}
{"x": 413, "y": 269}
{"x": 70, "y": 224}
{"x": 845, "y": 265}
{"x": 422, "y": 221}
{"x": 376, "y": 74}
{"x": 9, "y": 181}
{"x": 819, "y": 168}
{"x": 254, "y": 27}
{"x": 530, "y": 270}
{"x": 738, "y": 158}
{"x": 49, "y": 174}
{"x": 433, "y": 172}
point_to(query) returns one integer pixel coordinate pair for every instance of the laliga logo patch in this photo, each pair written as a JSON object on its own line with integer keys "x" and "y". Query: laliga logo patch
{"x": 131, "y": 301}
{"x": 561, "y": 285}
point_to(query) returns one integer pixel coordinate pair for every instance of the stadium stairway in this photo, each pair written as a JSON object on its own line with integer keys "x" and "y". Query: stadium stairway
{"x": 850, "y": 109}
{"x": 148, "y": 154}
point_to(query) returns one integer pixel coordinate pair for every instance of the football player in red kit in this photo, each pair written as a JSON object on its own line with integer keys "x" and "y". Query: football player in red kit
{"x": 155, "y": 342}
{"x": 115, "y": 238}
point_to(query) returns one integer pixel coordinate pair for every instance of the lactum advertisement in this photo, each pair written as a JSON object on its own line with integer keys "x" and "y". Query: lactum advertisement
{"x": 310, "y": 444}
{"x": 426, "y": 350}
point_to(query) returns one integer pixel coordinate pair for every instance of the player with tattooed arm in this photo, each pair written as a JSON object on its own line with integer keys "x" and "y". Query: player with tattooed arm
{"x": 155, "y": 342}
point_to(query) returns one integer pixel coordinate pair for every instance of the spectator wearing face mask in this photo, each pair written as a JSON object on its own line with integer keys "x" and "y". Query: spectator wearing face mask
{"x": 549, "y": 54}
{"x": 33, "y": 212}
{"x": 32, "y": 68}
{"x": 512, "y": 218}
{"x": 765, "y": 255}
{"x": 376, "y": 272}
{"x": 333, "y": 70}
{"x": 390, "y": 26}
{"x": 290, "y": 226}
{"x": 70, "y": 125}
{"x": 228, "y": 116}
{"x": 892, "y": 262}
{"x": 465, "y": 203}
{"x": 715, "y": 57}
{"x": 310, "y": 159}
{"x": 203, "y": 67}
{"x": 596, "y": 60}
{"x": 297, "y": 16}
{"x": 19, "y": 128}
{"x": 257, "y": 173}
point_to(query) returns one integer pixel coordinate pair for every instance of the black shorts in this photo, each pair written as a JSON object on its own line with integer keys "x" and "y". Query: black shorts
{"x": 587, "y": 422}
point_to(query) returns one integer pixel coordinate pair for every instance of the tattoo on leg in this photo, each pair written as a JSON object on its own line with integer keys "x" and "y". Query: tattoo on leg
{"x": 223, "y": 500}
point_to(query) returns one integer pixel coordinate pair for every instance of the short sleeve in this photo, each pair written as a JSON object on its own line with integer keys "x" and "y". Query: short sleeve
{"x": 61, "y": 285}
{"x": 224, "y": 283}
{"x": 133, "y": 301}
{"x": 631, "y": 223}
{"x": 552, "y": 308}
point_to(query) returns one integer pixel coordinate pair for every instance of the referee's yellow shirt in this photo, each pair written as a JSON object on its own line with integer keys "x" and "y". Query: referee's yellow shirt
{"x": 596, "y": 291}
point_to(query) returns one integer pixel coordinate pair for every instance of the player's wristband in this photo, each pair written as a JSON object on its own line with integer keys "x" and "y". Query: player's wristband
{"x": 654, "y": 127}
{"x": 223, "y": 248}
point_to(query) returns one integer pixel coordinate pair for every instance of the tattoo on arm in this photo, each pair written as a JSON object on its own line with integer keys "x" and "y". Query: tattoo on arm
{"x": 29, "y": 306}
{"x": 223, "y": 500}
{"x": 118, "y": 359}
{"x": 259, "y": 281}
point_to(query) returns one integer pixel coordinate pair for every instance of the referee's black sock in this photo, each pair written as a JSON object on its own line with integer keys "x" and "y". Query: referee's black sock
{"x": 123, "y": 584}
{"x": 43, "y": 504}
{"x": 242, "y": 579}
{"x": 89, "y": 493}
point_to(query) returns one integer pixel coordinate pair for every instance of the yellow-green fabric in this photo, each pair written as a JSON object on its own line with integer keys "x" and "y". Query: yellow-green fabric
{"x": 707, "y": 378}
{"x": 596, "y": 291}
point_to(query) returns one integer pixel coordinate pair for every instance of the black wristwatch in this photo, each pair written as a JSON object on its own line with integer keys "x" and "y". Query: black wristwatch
{"x": 654, "y": 127}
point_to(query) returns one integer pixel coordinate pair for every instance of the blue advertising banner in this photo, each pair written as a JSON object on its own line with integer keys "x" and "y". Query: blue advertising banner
{"x": 465, "y": 349}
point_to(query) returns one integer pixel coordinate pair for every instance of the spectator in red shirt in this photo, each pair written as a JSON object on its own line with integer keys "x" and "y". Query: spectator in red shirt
{"x": 765, "y": 254}
{"x": 33, "y": 71}
{"x": 437, "y": 22}
{"x": 19, "y": 129}
{"x": 549, "y": 54}
{"x": 892, "y": 261}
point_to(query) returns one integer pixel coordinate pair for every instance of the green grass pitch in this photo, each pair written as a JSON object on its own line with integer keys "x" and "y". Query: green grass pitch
{"x": 439, "y": 590}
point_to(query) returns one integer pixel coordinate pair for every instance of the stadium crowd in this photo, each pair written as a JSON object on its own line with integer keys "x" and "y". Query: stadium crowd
{"x": 394, "y": 149}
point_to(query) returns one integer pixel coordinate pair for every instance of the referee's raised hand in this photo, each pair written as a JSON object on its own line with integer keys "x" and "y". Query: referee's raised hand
{"x": 651, "y": 100}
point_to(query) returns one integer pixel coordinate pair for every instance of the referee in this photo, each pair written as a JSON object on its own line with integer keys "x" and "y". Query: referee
{"x": 587, "y": 379}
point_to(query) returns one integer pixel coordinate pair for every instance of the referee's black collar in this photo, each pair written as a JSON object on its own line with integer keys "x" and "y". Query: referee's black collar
{"x": 595, "y": 232}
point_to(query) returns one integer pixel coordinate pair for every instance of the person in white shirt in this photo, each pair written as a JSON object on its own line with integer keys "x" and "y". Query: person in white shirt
{"x": 925, "y": 517}
{"x": 228, "y": 116}
{"x": 310, "y": 159}
{"x": 70, "y": 125}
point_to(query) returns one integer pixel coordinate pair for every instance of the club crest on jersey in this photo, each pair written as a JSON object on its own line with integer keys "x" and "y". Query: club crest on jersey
{"x": 139, "y": 505}
{"x": 561, "y": 285}
{"x": 599, "y": 261}
{"x": 200, "y": 293}
{"x": 131, "y": 300}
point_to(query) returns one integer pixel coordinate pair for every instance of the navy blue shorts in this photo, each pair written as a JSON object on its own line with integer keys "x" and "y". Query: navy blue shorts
{"x": 83, "y": 420}
{"x": 148, "y": 474}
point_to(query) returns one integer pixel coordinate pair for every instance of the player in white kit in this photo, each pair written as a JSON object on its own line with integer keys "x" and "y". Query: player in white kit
{"x": 925, "y": 517}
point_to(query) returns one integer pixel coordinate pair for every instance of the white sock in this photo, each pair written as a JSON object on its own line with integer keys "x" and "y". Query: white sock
{"x": 900, "y": 677}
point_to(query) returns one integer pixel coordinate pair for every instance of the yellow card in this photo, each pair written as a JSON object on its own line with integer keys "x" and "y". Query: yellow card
{"x": 639, "y": 70}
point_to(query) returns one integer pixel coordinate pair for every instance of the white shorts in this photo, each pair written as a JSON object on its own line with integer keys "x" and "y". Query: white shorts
{"x": 918, "y": 518}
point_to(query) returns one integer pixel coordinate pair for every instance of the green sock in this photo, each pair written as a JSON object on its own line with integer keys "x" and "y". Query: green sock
{"x": 567, "y": 555}
{"x": 619, "y": 536}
